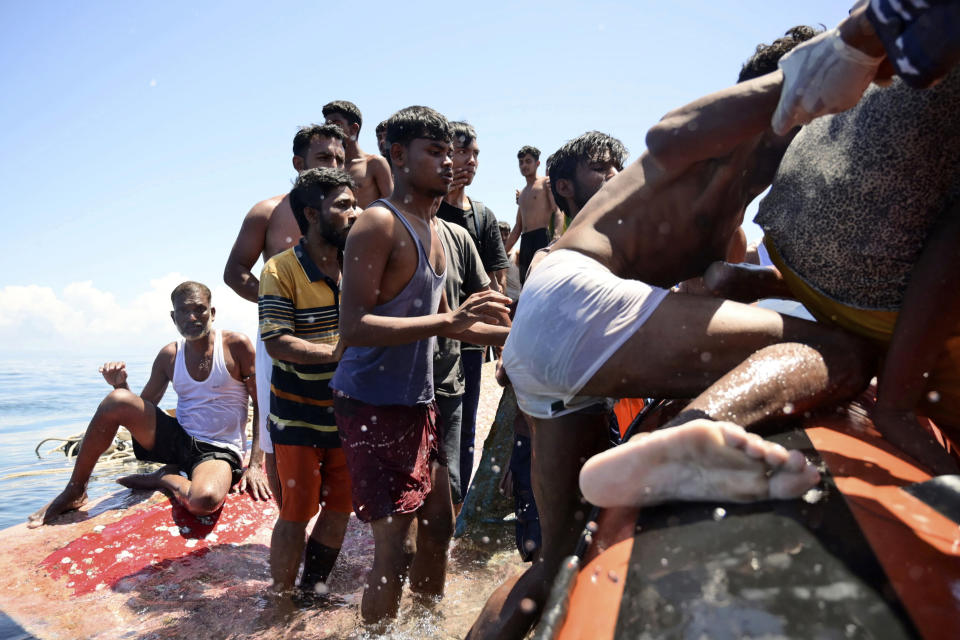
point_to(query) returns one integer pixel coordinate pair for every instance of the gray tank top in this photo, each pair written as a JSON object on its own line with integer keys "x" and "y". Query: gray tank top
{"x": 401, "y": 374}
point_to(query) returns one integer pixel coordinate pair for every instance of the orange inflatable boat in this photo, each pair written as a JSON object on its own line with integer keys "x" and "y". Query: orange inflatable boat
{"x": 874, "y": 552}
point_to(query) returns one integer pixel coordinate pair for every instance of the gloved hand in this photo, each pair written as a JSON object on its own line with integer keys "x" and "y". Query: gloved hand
{"x": 823, "y": 75}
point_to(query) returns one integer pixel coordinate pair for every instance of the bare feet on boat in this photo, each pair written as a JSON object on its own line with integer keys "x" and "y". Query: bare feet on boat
{"x": 698, "y": 460}
{"x": 68, "y": 500}
{"x": 148, "y": 480}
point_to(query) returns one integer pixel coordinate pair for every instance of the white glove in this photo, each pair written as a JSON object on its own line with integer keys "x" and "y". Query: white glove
{"x": 823, "y": 75}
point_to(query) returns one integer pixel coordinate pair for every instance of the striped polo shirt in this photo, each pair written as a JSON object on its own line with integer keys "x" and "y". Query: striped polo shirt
{"x": 297, "y": 299}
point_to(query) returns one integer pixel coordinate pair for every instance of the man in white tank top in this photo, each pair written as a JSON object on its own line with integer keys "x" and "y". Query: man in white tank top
{"x": 213, "y": 375}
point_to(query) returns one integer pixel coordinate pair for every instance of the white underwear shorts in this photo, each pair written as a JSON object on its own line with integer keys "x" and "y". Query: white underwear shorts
{"x": 573, "y": 314}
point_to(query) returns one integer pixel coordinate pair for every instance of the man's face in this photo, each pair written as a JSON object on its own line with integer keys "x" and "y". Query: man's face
{"x": 382, "y": 143}
{"x": 324, "y": 152}
{"x": 193, "y": 315}
{"x": 528, "y": 166}
{"x": 466, "y": 160}
{"x": 591, "y": 175}
{"x": 338, "y": 213}
{"x": 341, "y": 121}
{"x": 429, "y": 166}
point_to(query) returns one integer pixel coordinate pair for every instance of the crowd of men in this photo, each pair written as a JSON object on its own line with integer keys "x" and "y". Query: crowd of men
{"x": 384, "y": 284}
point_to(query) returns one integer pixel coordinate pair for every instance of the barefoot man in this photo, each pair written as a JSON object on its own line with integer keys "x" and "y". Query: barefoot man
{"x": 617, "y": 331}
{"x": 369, "y": 171}
{"x": 536, "y": 211}
{"x": 268, "y": 229}
{"x": 392, "y": 306}
{"x": 212, "y": 374}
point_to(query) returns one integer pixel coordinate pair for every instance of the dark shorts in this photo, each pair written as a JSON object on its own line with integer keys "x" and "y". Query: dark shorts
{"x": 530, "y": 243}
{"x": 173, "y": 445}
{"x": 389, "y": 451}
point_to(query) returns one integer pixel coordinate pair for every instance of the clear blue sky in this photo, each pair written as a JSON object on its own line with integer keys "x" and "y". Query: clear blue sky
{"x": 137, "y": 135}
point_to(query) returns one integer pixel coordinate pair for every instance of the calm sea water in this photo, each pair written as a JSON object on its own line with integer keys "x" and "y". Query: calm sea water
{"x": 48, "y": 397}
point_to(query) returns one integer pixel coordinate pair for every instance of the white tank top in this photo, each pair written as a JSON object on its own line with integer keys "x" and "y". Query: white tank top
{"x": 215, "y": 410}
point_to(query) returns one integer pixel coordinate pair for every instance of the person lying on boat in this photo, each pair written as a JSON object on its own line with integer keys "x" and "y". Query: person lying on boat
{"x": 213, "y": 375}
{"x": 617, "y": 331}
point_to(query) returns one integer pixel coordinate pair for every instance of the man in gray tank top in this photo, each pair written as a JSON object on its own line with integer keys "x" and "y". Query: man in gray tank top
{"x": 392, "y": 308}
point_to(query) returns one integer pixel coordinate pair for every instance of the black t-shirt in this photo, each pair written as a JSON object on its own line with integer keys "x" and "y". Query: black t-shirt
{"x": 483, "y": 230}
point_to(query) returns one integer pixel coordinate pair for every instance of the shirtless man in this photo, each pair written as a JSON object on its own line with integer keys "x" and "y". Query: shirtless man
{"x": 268, "y": 229}
{"x": 212, "y": 373}
{"x": 536, "y": 211}
{"x": 369, "y": 170}
{"x": 661, "y": 221}
{"x": 392, "y": 305}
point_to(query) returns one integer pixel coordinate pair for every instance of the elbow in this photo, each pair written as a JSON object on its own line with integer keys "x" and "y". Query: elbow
{"x": 229, "y": 275}
{"x": 660, "y": 139}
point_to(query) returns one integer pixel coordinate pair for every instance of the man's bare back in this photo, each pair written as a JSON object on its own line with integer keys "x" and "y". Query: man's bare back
{"x": 669, "y": 215}
{"x": 372, "y": 175}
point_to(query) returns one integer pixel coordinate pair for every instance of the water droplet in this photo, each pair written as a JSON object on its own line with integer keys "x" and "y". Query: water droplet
{"x": 363, "y": 427}
{"x": 788, "y": 408}
{"x": 383, "y": 579}
{"x": 755, "y": 563}
{"x": 418, "y": 303}
{"x": 485, "y": 540}
{"x": 426, "y": 522}
{"x": 495, "y": 468}
{"x": 406, "y": 169}
{"x": 389, "y": 519}
{"x": 664, "y": 562}
{"x": 706, "y": 356}
{"x": 291, "y": 483}
{"x": 529, "y": 545}
{"x": 813, "y": 496}
{"x": 591, "y": 526}
{"x": 933, "y": 396}
{"x": 528, "y": 605}
{"x": 289, "y": 239}
{"x": 719, "y": 514}
{"x": 612, "y": 575}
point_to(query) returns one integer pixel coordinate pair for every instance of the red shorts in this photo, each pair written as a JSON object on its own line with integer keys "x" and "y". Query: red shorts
{"x": 389, "y": 450}
{"x": 310, "y": 478}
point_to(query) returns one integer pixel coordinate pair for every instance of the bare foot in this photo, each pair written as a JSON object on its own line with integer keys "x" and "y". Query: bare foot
{"x": 68, "y": 500}
{"x": 698, "y": 460}
{"x": 147, "y": 480}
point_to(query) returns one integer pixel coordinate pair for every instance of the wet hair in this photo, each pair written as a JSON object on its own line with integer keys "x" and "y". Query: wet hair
{"x": 347, "y": 109}
{"x": 586, "y": 148}
{"x": 311, "y": 187}
{"x": 764, "y": 59}
{"x": 463, "y": 133}
{"x": 188, "y": 287}
{"x": 504, "y": 227}
{"x": 526, "y": 150}
{"x": 414, "y": 122}
{"x": 301, "y": 141}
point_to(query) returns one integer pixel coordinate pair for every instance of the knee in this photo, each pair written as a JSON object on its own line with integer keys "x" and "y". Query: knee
{"x": 118, "y": 401}
{"x": 851, "y": 362}
{"x": 204, "y": 500}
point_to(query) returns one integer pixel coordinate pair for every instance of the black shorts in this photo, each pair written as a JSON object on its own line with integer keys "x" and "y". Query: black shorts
{"x": 173, "y": 445}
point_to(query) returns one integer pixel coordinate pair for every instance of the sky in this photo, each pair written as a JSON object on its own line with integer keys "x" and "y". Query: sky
{"x": 136, "y": 136}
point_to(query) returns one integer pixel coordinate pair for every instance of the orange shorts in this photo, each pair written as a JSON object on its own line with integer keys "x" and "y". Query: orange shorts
{"x": 310, "y": 478}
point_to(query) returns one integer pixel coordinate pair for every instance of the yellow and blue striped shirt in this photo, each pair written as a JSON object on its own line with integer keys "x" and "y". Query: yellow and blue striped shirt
{"x": 297, "y": 299}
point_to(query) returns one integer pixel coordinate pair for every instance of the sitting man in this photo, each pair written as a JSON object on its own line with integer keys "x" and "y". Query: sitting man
{"x": 213, "y": 375}
{"x": 617, "y": 331}
{"x": 299, "y": 291}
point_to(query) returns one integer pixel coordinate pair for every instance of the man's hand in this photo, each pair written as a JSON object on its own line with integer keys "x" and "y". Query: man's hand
{"x": 517, "y": 198}
{"x": 489, "y": 307}
{"x": 461, "y": 177}
{"x": 821, "y": 76}
{"x": 254, "y": 480}
{"x": 115, "y": 373}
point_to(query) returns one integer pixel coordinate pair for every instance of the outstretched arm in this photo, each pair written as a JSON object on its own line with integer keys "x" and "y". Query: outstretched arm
{"x": 714, "y": 125}
{"x": 246, "y": 250}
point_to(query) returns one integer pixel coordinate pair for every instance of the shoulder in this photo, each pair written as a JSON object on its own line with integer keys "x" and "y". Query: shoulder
{"x": 376, "y": 161}
{"x": 237, "y": 341}
{"x": 265, "y": 208}
{"x": 167, "y": 354}
{"x": 278, "y": 262}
